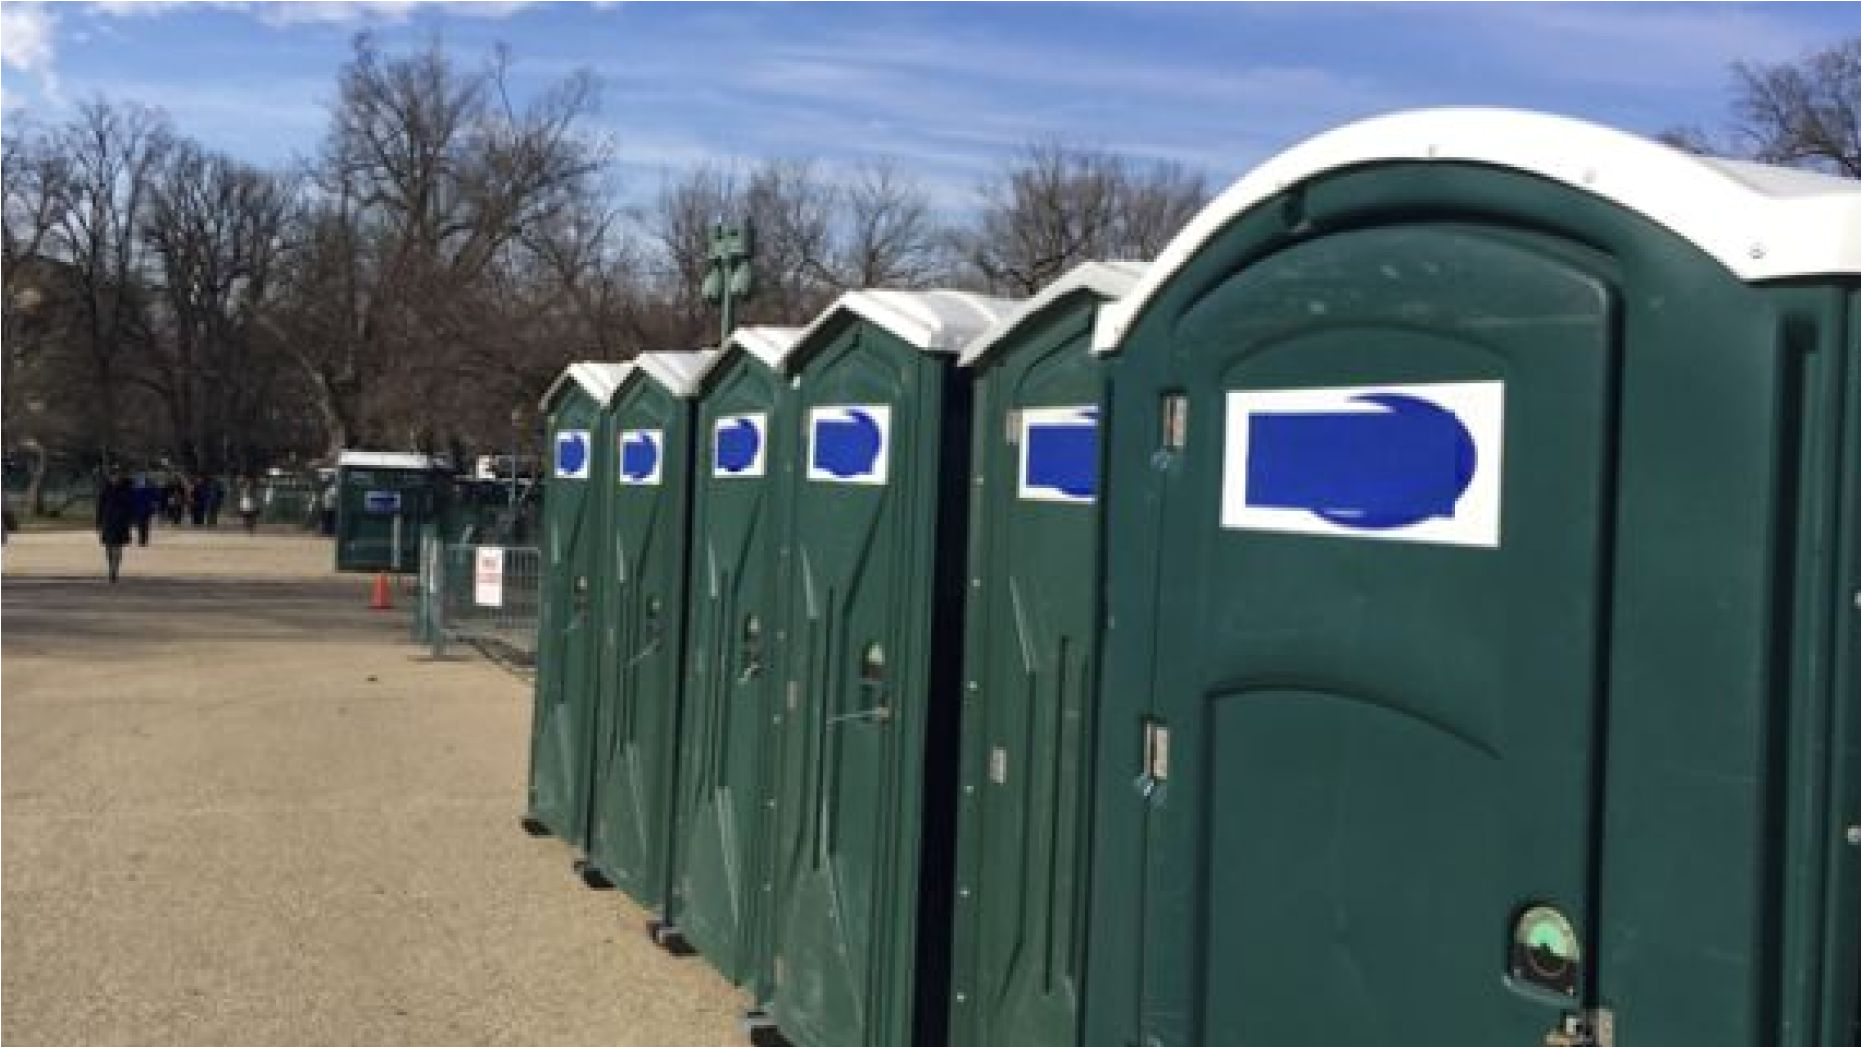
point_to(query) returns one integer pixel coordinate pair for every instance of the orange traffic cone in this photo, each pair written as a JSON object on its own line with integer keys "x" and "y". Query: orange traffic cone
{"x": 381, "y": 601}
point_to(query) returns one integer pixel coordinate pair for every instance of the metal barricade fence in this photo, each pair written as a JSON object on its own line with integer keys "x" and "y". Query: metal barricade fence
{"x": 486, "y": 596}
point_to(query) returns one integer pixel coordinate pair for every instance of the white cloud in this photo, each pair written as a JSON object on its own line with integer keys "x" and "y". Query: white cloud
{"x": 1639, "y": 46}
{"x": 129, "y": 8}
{"x": 26, "y": 34}
{"x": 321, "y": 12}
{"x": 26, "y": 37}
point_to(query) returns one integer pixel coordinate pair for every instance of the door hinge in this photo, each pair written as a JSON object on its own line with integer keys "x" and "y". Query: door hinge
{"x": 1012, "y": 426}
{"x": 1590, "y": 1026}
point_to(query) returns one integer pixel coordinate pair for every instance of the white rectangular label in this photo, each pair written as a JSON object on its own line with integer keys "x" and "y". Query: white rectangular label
{"x": 488, "y": 577}
{"x": 849, "y": 443}
{"x": 1409, "y": 463}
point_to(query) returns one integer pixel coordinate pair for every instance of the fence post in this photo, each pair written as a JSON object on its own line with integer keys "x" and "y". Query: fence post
{"x": 394, "y": 555}
{"x": 423, "y": 604}
{"x": 436, "y": 626}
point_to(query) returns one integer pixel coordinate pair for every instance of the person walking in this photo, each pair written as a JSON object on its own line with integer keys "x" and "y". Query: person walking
{"x": 328, "y": 502}
{"x": 197, "y": 501}
{"x": 174, "y": 499}
{"x": 248, "y": 505}
{"x": 146, "y": 494}
{"x": 216, "y": 497}
{"x": 116, "y": 514}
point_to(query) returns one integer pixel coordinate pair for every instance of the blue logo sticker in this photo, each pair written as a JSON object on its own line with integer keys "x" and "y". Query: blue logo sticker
{"x": 739, "y": 447}
{"x": 572, "y": 454}
{"x": 1060, "y": 454}
{"x": 640, "y": 456}
{"x": 1414, "y": 462}
{"x": 1379, "y": 470}
{"x": 849, "y": 443}
{"x": 382, "y": 501}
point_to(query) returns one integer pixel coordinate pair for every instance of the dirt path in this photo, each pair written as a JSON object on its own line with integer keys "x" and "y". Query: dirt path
{"x": 239, "y": 808}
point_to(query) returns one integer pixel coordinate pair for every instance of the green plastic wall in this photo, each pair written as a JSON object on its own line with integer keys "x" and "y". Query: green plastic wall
{"x": 722, "y": 886}
{"x": 870, "y": 666}
{"x": 569, "y": 625}
{"x": 1031, "y": 628}
{"x": 635, "y": 728}
{"x": 1637, "y": 708}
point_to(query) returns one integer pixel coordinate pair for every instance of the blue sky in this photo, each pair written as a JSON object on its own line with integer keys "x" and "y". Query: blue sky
{"x": 950, "y": 90}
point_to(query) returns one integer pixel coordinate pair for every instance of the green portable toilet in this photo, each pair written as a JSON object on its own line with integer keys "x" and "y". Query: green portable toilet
{"x": 383, "y": 498}
{"x": 1031, "y": 637}
{"x": 569, "y": 613}
{"x": 1481, "y": 649}
{"x": 636, "y": 722}
{"x": 719, "y": 899}
{"x": 870, "y": 661}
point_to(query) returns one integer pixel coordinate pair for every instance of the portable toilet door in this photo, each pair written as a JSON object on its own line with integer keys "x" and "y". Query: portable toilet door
{"x": 870, "y": 663}
{"x": 383, "y": 499}
{"x": 1031, "y": 629}
{"x": 569, "y": 614}
{"x": 720, "y": 895}
{"x": 636, "y": 720}
{"x": 1485, "y": 565}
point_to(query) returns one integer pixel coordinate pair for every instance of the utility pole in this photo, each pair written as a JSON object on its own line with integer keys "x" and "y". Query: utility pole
{"x": 729, "y": 278}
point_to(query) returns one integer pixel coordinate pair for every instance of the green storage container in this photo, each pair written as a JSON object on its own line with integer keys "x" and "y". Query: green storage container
{"x": 720, "y": 896}
{"x": 1031, "y": 640}
{"x": 870, "y": 661}
{"x": 569, "y": 619}
{"x": 636, "y": 719}
{"x": 382, "y": 495}
{"x": 1481, "y": 601}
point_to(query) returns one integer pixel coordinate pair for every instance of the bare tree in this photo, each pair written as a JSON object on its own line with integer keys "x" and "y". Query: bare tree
{"x": 430, "y": 178}
{"x": 792, "y": 209}
{"x": 1803, "y": 113}
{"x": 1800, "y": 114}
{"x": 890, "y": 238}
{"x": 217, "y": 227}
{"x": 33, "y": 174}
{"x": 680, "y": 226}
{"x": 815, "y": 238}
{"x": 111, "y": 151}
{"x": 1057, "y": 206}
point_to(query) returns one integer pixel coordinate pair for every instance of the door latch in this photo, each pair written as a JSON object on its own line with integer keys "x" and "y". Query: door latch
{"x": 1591, "y": 1026}
{"x": 1175, "y": 416}
{"x": 1156, "y": 768}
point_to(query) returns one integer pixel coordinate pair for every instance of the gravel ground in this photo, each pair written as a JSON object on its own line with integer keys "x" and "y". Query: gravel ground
{"x": 240, "y": 808}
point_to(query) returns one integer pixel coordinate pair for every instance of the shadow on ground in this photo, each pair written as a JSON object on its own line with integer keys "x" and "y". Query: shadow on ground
{"x": 139, "y": 611}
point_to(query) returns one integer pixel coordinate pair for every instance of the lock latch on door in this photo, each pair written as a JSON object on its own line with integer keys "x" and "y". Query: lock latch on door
{"x": 751, "y": 653}
{"x": 1156, "y": 768}
{"x": 1592, "y": 1026}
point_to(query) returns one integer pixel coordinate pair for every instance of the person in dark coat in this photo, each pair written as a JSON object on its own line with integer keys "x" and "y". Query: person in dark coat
{"x": 197, "y": 501}
{"x": 216, "y": 497}
{"x": 116, "y": 515}
{"x": 147, "y": 495}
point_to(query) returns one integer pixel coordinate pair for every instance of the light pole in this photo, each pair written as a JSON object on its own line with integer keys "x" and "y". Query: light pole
{"x": 729, "y": 276}
{"x": 517, "y": 421}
